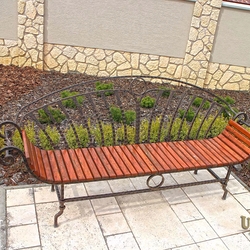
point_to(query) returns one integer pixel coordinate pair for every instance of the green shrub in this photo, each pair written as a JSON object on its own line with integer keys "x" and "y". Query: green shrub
{"x": 120, "y": 135}
{"x": 218, "y": 126}
{"x": 1, "y": 139}
{"x": 107, "y": 134}
{"x": 166, "y": 91}
{"x": 104, "y": 86}
{"x": 188, "y": 115}
{"x": 197, "y": 102}
{"x": 56, "y": 113}
{"x": 69, "y": 103}
{"x": 116, "y": 114}
{"x": 82, "y": 134}
{"x": 175, "y": 132}
{"x": 54, "y": 136}
{"x": 147, "y": 102}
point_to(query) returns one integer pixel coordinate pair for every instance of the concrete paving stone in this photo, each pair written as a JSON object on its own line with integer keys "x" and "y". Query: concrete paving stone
{"x": 247, "y": 234}
{"x": 203, "y": 190}
{"x": 202, "y": 175}
{"x": 17, "y": 197}
{"x": 44, "y": 194}
{"x": 222, "y": 215}
{"x": 244, "y": 199}
{"x": 23, "y": 236}
{"x": 153, "y": 223}
{"x": 113, "y": 224}
{"x": 124, "y": 241}
{"x": 139, "y": 182}
{"x": 234, "y": 187}
{"x": 222, "y": 172}
{"x": 183, "y": 177}
{"x": 21, "y": 215}
{"x": 189, "y": 247}
{"x": 186, "y": 211}
{"x": 200, "y": 230}
{"x": 100, "y": 187}
{"x": 121, "y": 185}
{"x": 175, "y": 196}
{"x": 216, "y": 244}
{"x": 32, "y": 248}
{"x": 105, "y": 206}
{"x": 78, "y": 227}
{"x": 238, "y": 241}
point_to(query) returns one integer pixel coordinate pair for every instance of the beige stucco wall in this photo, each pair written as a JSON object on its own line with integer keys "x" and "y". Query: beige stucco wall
{"x": 232, "y": 40}
{"x": 159, "y": 27}
{"x": 8, "y": 17}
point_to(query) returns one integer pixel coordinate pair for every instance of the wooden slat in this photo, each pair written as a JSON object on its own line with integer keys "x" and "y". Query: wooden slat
{"x": 151, "y": 169}
{"x": 153, "y": 156}
{"x": 54, "y": 166}
{"x": 208, "y": 148}
{"x": 225, "y": 137}
{"x": 200, "y": 153}
{"x": 178, "y": 161}
{"x": 91, "y": 164}
{"x": 105, "y": 162}
{"x": 232, "y": 154}
{"x": 133, "y": 163}
{"x": 61, "y": 166}
{"x": 164, "y": 155}
{"x": 236, "y": 142}
{"x": 76, "y": 164}
{"x": 239, "y": 128}
{"x": 112, "y": 163}
{"x": 97, "y": 162}
{"x": 69, "y": 165}
{"x": 183, "y": 149}
{"x": 84, "y": 165}
{"x": 122, "y": 160}
{"x": 238, "y": 135}
{"x": 49, "y": 168}
{"x": 42, "y": 173}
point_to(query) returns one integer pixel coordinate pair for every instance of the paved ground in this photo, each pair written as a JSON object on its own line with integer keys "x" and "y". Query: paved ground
{"x": 189, "y": 218}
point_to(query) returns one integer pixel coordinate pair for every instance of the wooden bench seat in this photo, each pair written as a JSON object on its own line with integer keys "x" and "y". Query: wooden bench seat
{"x": 231, "y": 147}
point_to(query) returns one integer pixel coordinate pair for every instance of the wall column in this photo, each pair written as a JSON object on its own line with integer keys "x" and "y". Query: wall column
{"x": 200, "y": 42}
{"x": 31, "y": 33}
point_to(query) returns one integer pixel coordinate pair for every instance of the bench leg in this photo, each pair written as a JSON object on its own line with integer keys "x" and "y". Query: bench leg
{"x": 52, "y": 188}
{"x": 196, "y": 171}
{"x": 224, "y": 184}
{"x": 60, "y": 196}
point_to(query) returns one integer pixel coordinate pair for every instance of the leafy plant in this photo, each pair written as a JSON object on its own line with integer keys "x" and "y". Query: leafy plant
{"x": 225, "y": 101}
{"x": 166, "y": 91}
{"x": 82, "y": 134}
{"x": 69, "y": 103}
{"x": 187, "y": 114}
{"x": 53, "y": 135}
{"x": 116, "y": 114}
{"x": 147, "y": 102}
{"x": 107, "y": 134}
{"x": 104, "y": 86}
{"x": 56, "y": 113}
{"x": 197, "y": 103}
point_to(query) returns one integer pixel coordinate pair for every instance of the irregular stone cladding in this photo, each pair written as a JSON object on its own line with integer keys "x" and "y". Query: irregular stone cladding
{"x": 195, "y": 67}
{"x": 31, "y": 33}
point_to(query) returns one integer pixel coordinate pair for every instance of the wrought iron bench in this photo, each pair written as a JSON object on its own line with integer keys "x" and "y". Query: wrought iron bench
{"x": 124, "y": 127}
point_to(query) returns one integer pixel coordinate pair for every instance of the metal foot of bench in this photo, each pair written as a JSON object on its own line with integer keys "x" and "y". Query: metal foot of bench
{"x": 52, "y": 188}
{"x": 195, "y": 171}
{"x": 61, "y": 207}
{"x": 224, "y": 184}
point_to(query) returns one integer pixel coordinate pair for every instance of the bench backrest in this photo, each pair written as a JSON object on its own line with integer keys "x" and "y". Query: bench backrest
{"x": 123, "y": 110}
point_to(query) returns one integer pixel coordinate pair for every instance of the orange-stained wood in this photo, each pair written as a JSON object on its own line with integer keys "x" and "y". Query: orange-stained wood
{"x": 239, "y": 128}
{"x": 238, "y": 135}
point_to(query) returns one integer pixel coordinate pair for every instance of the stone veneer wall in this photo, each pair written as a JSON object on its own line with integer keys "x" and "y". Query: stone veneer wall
{"x": 195, "y": 67}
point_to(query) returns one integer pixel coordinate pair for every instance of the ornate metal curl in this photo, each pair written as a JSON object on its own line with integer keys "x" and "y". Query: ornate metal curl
{"x": 7, "y": 158}
{"x": 157, "y": 185}
{"x": 241, "y": 118}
